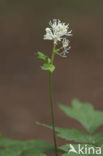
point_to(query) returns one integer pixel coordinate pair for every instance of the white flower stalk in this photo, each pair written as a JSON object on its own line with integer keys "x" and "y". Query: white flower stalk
{"x": 64, "y": 52}
{"x": 57, "y": 32}
{"x": 66, "y": 47}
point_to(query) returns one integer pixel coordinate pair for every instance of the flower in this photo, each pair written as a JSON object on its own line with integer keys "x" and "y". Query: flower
{"x": 56, "y": 31}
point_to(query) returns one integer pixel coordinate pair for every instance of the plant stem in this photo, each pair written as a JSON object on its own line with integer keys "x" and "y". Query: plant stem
{"x": 51, "y": 103}
{"x": 52, "y": 112}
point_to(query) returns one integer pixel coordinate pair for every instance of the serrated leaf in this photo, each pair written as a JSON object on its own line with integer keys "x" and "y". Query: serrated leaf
{"x": 84, "y": 113}
{"x": 76, "y": 135}
{"x": 70, "y": 134}
{"x": 43, "y": 57}
{"x": 48, "y": 67}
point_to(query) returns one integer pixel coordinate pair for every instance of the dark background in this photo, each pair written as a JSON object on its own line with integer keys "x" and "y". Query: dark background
{"x": 24, "y": 95}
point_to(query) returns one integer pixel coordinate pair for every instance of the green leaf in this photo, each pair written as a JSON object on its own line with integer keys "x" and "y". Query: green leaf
{"x": 70, "y": 134}
{"x": 7, "y": 142}
{"x": 44, "y": 125}
{"x": 98, "y": 138}
{"x": 84, "y": 113}
{"x": 66, "y": 149}
{"x": 43, "y": 57}
{"x": 76, "y": 135}
{"x": 32, "y": 152}
{"x": 48, "y": 67}
{"x": 25, "y": 148}
{"x": 16, "y": 152}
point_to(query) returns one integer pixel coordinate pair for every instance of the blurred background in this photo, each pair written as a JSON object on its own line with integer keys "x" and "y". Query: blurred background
{"x": 24, "y": 95}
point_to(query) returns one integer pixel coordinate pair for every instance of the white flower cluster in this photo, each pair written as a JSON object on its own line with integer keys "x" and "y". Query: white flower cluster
{"x": 57, "y": 32}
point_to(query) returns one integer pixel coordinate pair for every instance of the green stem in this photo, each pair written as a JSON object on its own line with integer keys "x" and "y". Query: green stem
{"x": 53, "y": 54}
{"x": 52, "y": 112}
{"x": 51, "y": 103}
